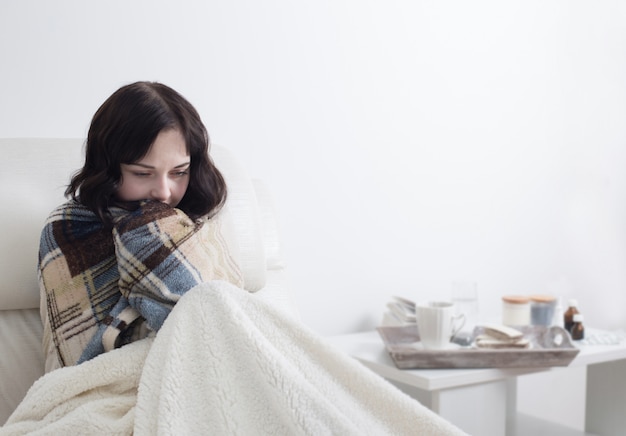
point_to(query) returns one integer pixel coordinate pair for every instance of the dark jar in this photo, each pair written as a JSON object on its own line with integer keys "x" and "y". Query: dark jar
{"x": 578, "y": 330}
{"x": 568, "y": 316}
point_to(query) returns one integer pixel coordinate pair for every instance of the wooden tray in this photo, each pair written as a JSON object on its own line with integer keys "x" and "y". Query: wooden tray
{"x": 550, "y": 346}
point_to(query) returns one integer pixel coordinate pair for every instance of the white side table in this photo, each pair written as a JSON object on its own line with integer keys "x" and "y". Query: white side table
{"x": 483, "y": 401}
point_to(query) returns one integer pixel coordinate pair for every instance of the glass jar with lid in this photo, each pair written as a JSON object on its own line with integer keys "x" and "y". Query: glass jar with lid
{"x": 515, "y": 310}
{"x": 542, "y": 309}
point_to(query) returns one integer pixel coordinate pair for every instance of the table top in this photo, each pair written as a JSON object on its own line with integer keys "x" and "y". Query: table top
{"x": 369, "y": 349}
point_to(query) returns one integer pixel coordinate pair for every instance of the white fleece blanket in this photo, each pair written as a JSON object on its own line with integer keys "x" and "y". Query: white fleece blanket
{"x": 224, "y": 363}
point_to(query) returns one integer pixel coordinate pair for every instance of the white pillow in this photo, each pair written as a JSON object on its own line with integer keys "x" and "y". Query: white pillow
{"x": 35, "y": 175}
{"x": 242, "y": 211}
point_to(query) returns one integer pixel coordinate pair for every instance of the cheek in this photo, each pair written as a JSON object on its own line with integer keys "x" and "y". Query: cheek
{"x": 182, "y": 188}
{"x": 178, "y": 190}
{"x": 129, "y": 192}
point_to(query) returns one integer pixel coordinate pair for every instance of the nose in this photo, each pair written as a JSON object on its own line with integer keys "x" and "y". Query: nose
{"x": 161, "y": 190}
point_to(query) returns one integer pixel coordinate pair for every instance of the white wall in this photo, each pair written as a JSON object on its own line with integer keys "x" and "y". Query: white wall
{"x": 408, "y": 143}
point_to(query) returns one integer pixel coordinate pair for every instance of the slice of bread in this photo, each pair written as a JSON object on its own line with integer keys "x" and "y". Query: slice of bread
{"x": 502, "y": 332}
{"x": 485, "y": 341}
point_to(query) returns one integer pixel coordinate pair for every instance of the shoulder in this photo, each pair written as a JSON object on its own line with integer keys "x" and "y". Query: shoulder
{"x": 69, "y": 221}
{"x": 69, "y": 211}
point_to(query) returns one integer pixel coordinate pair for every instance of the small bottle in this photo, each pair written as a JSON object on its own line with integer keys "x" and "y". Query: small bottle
{"x": 568, "y": 316}
{"x": 578, "y": 330}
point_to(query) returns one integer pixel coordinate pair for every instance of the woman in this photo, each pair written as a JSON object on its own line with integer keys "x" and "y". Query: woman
{"x": 146, "y": 162}
{"x": 142, "y": 305}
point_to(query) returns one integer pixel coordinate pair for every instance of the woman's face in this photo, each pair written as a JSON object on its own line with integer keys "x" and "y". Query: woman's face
{"x": 162, "y": 174}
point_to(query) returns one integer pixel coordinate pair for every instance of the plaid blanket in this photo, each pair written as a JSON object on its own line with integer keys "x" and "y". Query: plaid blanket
{"x": 103, "y": 288}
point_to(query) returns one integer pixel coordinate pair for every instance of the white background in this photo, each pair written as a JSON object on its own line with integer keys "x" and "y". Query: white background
{"x": 408, "y": 144}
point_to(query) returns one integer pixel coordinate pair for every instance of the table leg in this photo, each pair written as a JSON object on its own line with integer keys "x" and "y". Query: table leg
{"x": 605, "y": 410}
{"x": 478, "y": 409}
{"x": 511, "y": 404}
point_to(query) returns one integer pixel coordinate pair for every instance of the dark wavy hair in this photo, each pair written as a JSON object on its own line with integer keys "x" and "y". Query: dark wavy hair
{"x": 122, "y": 131}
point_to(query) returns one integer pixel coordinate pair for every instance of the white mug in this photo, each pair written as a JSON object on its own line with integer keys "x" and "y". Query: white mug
{"x": 437, "y": 323}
